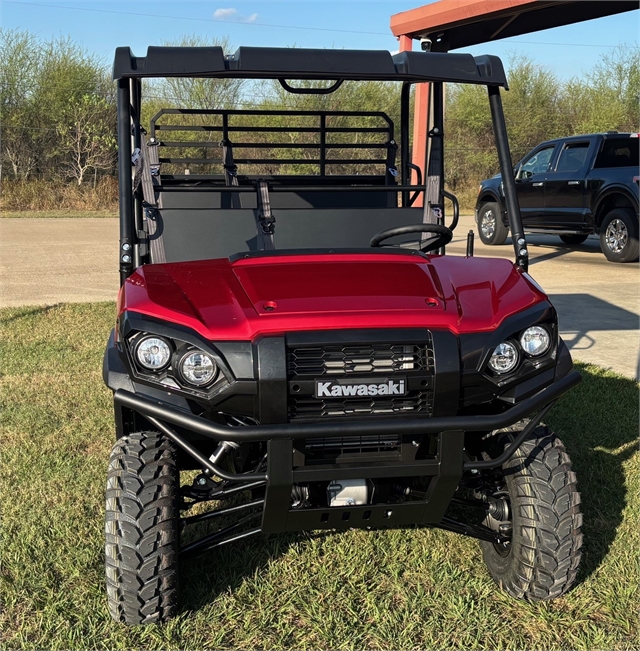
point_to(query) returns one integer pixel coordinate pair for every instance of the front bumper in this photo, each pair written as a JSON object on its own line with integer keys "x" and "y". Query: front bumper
{"x": 444, "y": 470}
{"x": 285, "y": 431}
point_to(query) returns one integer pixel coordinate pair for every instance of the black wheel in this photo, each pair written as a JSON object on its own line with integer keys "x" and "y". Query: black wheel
{"x": 573, "y": 239}
{"x": 142, "y": 529}
{"x": 541, "y": 510}
{"x": 619, "y": 235}
{"x": 490, "y": 227}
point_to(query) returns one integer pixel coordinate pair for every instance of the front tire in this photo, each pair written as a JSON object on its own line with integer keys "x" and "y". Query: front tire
{"x": 541, "y": 560}
{"x": 619, "y": 235}
{"x": 142, "y": 529}
{"x": 490, "y": 227}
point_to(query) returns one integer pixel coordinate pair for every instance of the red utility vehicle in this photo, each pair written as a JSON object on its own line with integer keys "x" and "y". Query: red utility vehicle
{"x": 290, "y": 329}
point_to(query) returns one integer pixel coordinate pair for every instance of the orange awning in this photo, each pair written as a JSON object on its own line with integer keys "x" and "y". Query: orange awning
{"x": 452, "y": 24}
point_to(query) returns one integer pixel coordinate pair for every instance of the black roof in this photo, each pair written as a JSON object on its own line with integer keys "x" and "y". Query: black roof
{"x": 300, "y": 63}
{"x": 583, "y": 136}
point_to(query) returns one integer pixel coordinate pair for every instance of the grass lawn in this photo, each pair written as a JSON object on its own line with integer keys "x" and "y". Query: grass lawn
{"x": 417, "y": 589}
{"x": 56, "y": 214}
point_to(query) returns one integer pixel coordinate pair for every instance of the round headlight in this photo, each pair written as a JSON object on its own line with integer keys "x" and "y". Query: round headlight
{"x": 198, "y": 368}
{"x": 535, "y": 341}
{"x": 504, "y": 358}
{"x": 153, "y": 353}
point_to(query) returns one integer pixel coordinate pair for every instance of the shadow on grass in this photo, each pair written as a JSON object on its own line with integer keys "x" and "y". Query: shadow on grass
{"x": 598, "y": 423}
{"x": 204, "y": 578}
{"x": 23, "y": 313}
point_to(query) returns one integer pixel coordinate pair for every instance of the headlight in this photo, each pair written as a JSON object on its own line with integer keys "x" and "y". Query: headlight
{"x": 198, "y": 368}
{"x": 504, "y": 358}
{"x": 153, "y": 353}
{"x": 535, "y": 341}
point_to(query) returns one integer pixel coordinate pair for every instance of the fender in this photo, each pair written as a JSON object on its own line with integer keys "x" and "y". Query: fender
{"x": 616, "y": 188}
{"x": 493, "y": 196}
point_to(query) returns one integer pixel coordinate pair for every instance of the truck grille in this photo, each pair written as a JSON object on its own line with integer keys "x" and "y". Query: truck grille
{"x": 339, "y": 360}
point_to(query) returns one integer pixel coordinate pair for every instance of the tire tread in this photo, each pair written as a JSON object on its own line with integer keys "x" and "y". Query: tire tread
{"x": 547, "y": 537}
{"x": 141, "y": 529}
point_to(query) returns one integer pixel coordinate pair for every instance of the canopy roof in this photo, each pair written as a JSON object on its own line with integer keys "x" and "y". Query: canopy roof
{"x": 299, "y": 63}
{"x": 452, "y": 24}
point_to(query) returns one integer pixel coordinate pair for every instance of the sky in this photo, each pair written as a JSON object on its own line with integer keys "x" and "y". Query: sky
{"x": 100, "y": 27}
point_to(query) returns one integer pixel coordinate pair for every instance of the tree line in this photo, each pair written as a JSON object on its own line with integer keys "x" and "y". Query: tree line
{"x": 58, "y": 117}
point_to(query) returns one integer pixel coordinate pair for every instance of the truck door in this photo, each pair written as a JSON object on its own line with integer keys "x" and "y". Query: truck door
{"x": 564, "y": 190}
{"x": 530, "y": 179}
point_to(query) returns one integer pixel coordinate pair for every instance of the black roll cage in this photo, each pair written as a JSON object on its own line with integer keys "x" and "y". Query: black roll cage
{"x": 335, "y": 66}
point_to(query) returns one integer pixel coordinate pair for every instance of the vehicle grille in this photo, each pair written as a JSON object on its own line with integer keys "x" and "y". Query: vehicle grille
{"x": 413, "y": 361}
{"x": 308, "y": 407}
{"x": 339, "y": 360}
{"x": 332, "y": 448}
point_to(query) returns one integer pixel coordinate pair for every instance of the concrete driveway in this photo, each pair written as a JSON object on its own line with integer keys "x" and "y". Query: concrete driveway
{"x": 47, "y": 261}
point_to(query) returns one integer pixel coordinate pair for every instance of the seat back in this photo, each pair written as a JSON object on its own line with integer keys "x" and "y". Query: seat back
{"x": 196, "y": 225}
{"x": 340, "y": 227}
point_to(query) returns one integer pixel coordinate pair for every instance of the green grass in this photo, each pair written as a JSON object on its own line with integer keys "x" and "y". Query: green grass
{"x": 57, "y": 214}
{"x": 416, "y": 589}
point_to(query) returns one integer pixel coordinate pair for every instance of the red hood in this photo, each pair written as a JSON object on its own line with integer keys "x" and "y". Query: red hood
{"x": 240, "y": 300}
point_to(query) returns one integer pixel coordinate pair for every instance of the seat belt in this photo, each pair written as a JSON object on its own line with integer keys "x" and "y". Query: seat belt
{"x": 147, "y": 163}
{"x": 392, "y": 170}
{"x": 230, "y": 171}
{"x": 153, "y": 227}
{"x": 266, "y": 219}
{"x": 433, "y": 209}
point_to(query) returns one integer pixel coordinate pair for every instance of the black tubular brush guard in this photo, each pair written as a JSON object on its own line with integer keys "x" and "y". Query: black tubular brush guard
{"x": 158, "y": 410}
{"x": 276, "y": 515}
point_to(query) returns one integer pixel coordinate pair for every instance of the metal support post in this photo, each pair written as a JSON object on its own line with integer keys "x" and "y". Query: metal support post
{"x": 506, "y": 170}
{"x": 125, "y": 194}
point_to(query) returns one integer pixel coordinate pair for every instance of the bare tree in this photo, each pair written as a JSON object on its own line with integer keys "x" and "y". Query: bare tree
{"x": 87, "y": 140}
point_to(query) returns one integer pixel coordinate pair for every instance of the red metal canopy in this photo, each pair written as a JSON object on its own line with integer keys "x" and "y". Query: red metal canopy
{"x": 452, "y": 24}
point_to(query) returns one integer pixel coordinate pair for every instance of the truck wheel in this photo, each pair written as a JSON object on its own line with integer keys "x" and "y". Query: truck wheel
{"x": 142, "y": 529}
{"x": 542, "y": 510}
{"x": 490, "y": 227}
{"x": 619, "y": 235}
{"x": 573, "y": 239}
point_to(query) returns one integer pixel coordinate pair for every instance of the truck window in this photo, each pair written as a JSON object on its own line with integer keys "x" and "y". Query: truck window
{"x": 573, "y": 157}
{"x": 618, "y": 152}
{"x": 537, "y": 164}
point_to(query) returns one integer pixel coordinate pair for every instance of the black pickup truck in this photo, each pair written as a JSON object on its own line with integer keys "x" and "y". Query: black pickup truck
{"x": 572, "y": 187}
